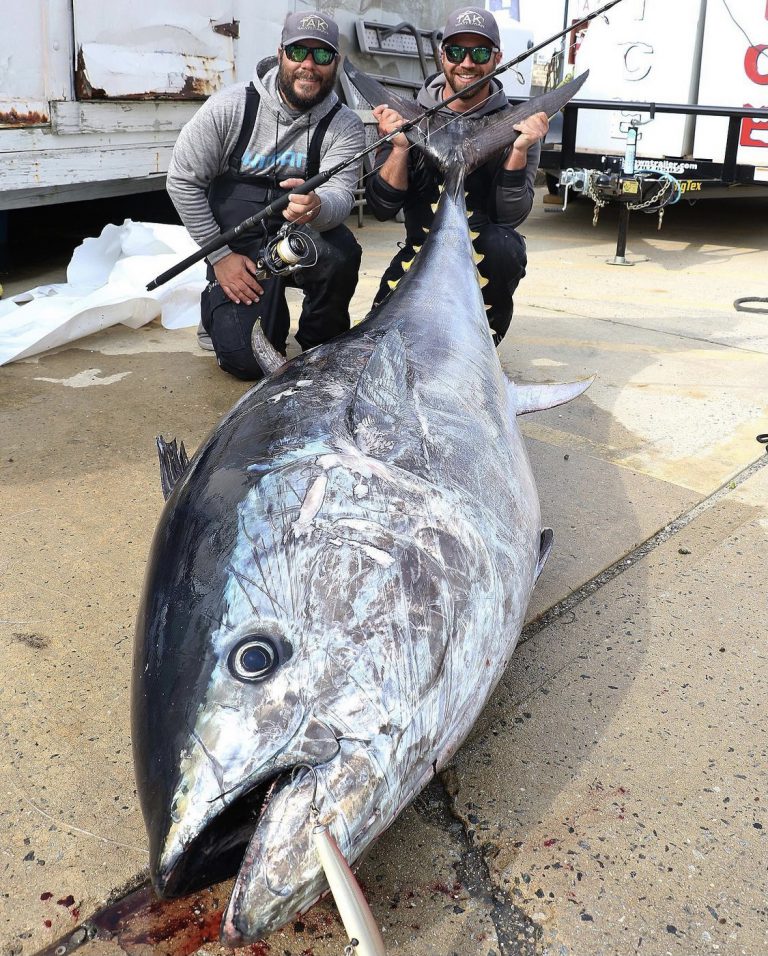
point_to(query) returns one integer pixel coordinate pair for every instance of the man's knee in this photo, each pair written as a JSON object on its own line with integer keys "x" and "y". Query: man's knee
{"x": 339, "y": 254}
{"x": 229, "y": 326}
{"x": 504, "y": 251}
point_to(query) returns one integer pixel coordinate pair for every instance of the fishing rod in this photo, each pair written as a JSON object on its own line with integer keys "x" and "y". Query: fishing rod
{"x": 277, "y": 205}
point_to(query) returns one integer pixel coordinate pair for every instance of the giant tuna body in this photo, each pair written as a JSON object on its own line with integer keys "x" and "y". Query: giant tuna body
{"x": 337, "y": 581}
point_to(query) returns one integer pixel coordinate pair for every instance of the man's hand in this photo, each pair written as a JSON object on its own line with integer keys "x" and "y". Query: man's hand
{"x": 235, "y": 274}
{"x": 302, "y": 207}
{"x": 531, "y": 131}
{"x": 389, "y": 120}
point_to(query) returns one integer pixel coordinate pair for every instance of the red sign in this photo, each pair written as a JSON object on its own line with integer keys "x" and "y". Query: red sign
{"x": 754, "y": 132}
{"x": 753, "y": 62}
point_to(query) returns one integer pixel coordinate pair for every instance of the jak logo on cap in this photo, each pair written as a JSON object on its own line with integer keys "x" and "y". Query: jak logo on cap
{"x": 310, "y": 26}
{"x": 472, "y": 20}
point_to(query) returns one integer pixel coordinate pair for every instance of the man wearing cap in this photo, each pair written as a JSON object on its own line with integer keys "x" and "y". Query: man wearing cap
{"x": 499, "y": 193}
{"x": 248, "y": 145}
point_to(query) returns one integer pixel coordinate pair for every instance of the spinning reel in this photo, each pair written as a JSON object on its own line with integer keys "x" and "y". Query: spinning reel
{"x": 291, "y": 249}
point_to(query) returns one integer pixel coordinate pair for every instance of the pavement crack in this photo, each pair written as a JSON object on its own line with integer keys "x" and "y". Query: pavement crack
{"x": 627, "y": 561}
{"x": 516, "y": 933}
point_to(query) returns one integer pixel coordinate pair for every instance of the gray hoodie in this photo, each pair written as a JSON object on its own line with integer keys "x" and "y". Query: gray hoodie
{"x": 277, "y": 149}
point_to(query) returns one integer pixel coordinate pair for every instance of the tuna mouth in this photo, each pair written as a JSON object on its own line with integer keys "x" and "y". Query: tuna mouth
{"x": 216, "y": 853}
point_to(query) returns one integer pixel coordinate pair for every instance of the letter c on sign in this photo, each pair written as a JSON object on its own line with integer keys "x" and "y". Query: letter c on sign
{"x": 752, "y": 64}
{"x": 638, "y": 60}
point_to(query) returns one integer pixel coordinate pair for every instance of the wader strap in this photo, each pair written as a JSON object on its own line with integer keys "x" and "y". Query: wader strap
{"x": 313, "y": 156}
{"x": 252, "y": 100}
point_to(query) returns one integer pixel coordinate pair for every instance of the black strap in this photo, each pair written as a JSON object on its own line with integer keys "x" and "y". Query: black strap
{"x": 252, "y": 100}
{"x": 313, "y": 154}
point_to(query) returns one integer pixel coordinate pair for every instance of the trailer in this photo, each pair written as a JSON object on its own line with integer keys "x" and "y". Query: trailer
{"x": 93, "y": 95}
{"x": 674, "y": 107}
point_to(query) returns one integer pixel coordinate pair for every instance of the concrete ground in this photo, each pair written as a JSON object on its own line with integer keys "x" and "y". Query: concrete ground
{"x": 613, "y": 798}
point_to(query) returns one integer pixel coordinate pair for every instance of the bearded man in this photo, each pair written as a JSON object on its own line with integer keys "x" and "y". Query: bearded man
{"x": 245, "y": 147}
{"x": 499, "y": 193}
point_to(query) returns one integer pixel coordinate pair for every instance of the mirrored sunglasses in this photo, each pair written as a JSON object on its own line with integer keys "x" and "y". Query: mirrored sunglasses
{"x": 320, "y": 54}
{"x": 478, "y": 54}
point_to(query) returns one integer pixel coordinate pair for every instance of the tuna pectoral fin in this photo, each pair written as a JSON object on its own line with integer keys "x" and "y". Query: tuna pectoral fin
{"x": 537, "y": 398}
{"x": 173, "y": 463}
{"x": 382, "y": 417}
{"x": 545, "y": 546}
{"x": 376, "y": 94}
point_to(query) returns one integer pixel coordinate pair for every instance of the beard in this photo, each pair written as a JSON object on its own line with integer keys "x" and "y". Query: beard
{"x": 457, "y": 87}
{"x": 287, "y": 83}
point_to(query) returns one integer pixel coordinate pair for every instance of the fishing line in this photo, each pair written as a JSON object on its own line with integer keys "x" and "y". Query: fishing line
{"x": 321, "y": 178}
{"x": 730, "y": 14}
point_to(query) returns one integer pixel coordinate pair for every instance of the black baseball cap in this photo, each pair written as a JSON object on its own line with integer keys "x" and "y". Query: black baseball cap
{"x": 472, "y": 20}
{"x": 310, "y": 26}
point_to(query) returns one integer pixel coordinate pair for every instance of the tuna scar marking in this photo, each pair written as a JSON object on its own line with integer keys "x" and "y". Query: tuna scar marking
{"x": 311, "y": 505}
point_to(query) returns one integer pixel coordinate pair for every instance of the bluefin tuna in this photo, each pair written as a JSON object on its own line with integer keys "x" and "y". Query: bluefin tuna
{"x": 338, "y": 579}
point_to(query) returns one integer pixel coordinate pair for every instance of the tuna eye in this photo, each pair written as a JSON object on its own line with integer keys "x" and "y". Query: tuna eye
{"x": 254, "y": 659}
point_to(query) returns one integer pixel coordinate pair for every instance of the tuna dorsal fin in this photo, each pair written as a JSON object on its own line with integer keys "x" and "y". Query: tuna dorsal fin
{"x": 537, "y": 398}
{"x": 376, "y": 94}
{"x": 173, "y": 463}
{"x": 383, "y": 417}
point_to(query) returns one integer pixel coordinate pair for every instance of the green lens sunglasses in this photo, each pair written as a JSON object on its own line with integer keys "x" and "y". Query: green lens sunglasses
{"x": 320, "y": 54}
{"x": 478, "y": 54}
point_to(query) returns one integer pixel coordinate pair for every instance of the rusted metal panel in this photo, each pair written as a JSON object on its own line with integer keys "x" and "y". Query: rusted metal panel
{"x": 19, "y": 117}
{"x": 228, "y": 29}
{"x": 174, "y": 49}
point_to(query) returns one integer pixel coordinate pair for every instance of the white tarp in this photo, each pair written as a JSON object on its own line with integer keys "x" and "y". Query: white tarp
{"x": 105, "y": 285}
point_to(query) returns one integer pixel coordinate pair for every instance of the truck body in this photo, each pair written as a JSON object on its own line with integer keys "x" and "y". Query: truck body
{"x": 683, "y": 77}
{"x": 93, "y": 95}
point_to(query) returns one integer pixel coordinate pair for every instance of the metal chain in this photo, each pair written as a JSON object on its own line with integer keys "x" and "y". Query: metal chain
{"x": 349, "y": 949}
{"x": 590, "y": 193}
{"x": 655, "y": 199}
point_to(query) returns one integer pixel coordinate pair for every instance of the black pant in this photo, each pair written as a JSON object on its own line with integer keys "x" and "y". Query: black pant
{"x": 328, "y": 288}
{"x": 504, "y": 266}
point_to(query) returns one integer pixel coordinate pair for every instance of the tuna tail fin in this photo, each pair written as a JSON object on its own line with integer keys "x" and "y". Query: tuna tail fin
{"x": 173, "y": 463}
{"x": 480, "y": 139}
{"x": 537, "y": 398}
{"x": 376, "y": 94}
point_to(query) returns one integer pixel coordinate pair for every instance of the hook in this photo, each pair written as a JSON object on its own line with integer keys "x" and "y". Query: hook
{"x": 313, "y": 808}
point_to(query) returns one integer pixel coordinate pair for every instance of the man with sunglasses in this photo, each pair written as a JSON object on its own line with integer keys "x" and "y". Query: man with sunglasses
{"x": 246, "y": 146}
{"x": 499, "y": 193}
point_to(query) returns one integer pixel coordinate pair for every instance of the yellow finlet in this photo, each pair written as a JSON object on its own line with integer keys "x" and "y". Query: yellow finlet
{"x": 474, "y": 235}
{"x": 392, "y": 283}
{"x": 406, "y": 265}
{"x": 478, "y": 257}
{"x": 434, "y": 207}
{"x": 482, "y": 280}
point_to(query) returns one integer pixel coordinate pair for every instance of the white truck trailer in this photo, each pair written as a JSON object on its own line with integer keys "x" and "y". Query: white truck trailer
{"x": 669, "y": 100}
{"x": 93, "y": 94}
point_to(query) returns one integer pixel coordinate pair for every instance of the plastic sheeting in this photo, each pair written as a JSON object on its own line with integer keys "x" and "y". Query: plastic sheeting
{"x": 105, "y": 285}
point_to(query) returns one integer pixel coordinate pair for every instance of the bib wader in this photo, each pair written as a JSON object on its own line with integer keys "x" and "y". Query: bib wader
{"x": 328, "y": 286}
